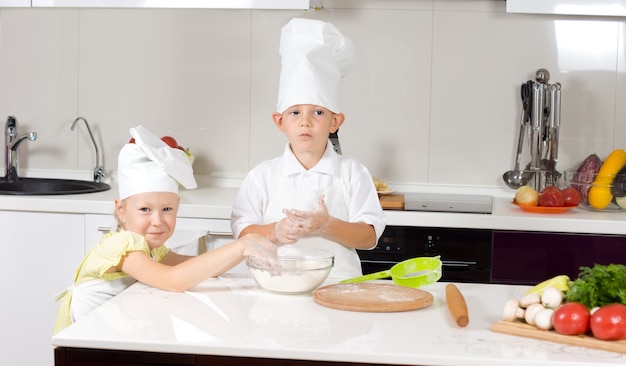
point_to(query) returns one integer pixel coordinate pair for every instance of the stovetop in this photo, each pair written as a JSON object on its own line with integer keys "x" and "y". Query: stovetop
{"x": 443, "y": 202}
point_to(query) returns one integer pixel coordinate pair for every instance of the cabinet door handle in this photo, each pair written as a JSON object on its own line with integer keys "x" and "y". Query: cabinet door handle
{"x": 387, "y": 263}
{"x": 225, "y": 234}
{"x": 458, "y": 263}
{"x": 220, "y": 234}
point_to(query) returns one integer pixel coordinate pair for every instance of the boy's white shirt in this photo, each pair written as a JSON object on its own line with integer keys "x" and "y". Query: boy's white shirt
{"x": 259, "y": 186}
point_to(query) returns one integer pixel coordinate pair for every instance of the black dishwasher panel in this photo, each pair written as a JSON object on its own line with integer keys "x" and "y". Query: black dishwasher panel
{"x": 527, "y": 258}
{"x": 465, "y": 253}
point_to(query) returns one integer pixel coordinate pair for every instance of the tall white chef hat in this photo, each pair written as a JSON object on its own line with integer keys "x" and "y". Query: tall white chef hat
{"x": 315, "y": 57}
{"x": 150, "y": 165}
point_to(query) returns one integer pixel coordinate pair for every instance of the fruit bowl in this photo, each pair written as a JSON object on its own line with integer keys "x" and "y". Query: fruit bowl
{"x": 295, "y": 270}
{"x": 608, "y": 193}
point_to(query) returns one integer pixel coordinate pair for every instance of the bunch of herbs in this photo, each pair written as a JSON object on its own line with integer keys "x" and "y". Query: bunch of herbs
{"x": 599, "y": 286}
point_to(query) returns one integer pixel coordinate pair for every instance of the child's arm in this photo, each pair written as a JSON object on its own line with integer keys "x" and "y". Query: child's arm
{"x": 173, "y": 258}
{"x": 357, "y": 235}
{"x": 186, "y": 274}
{"x": 284, "y": 231}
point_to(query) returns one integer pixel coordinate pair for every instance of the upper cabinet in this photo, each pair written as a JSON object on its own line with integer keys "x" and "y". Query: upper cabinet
{"x": 197, "y": 4}
{"x": 568, "y": 7}
{"x": 14, "y": 3}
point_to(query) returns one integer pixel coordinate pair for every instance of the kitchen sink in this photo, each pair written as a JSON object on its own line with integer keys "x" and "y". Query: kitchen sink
{"x": 43, "y": 186}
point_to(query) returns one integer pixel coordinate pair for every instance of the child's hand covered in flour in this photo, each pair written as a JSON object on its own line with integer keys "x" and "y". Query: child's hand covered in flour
{"x": 258, "y": 246}
{"x": 287, "y": 232}
{"x": 311, "y": 222}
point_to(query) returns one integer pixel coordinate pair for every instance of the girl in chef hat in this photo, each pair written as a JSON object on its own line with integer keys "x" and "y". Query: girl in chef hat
{"x": 149, "y": 173}
{"x": 311, "y": 196}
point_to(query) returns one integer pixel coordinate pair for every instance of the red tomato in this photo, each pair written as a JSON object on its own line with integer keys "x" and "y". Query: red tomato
{"x": 571, "y": 196}
{"x": 571, "y": 318}
{"x": 132, "y": 140}
{"x": 170, "y": 141}
{"x": 609, "y": 322}
{"x": 551, "y": 197}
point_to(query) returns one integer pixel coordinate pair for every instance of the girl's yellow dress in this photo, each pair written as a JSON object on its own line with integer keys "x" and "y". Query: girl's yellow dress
{"x": 93, "y": 286}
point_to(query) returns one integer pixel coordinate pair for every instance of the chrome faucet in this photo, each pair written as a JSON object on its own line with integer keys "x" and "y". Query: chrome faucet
{"x": 12, "y": 142}
{"x": 98, "y": 171}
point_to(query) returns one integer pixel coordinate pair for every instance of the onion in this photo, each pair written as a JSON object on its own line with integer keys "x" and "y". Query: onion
{"x": 526, "y": 195}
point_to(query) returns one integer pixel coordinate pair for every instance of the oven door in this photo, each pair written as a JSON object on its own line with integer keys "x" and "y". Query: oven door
{"x": 465, "y": 253}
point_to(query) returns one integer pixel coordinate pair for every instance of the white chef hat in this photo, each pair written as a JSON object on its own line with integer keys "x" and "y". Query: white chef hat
{"x": 315, "y": 57}
{"x": 150, "y": 165}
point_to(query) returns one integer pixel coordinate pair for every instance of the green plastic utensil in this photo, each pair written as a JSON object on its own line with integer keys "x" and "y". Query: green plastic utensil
{"x": 415, "y": 272}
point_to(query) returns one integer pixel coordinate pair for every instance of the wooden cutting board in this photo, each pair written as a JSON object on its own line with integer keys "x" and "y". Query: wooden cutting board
{"x": 526, "y": 330}
{"x": 392, "y": 201}
{"x": 372, "y": 297}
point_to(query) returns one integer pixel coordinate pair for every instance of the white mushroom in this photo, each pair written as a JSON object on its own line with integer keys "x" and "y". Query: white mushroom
{"x": 510, "y": 309}
{"x": 529, "y": 299}
{"x": 531, "y": 313}
{"x": 551, "y": 297}
{"x": 543, "y": 319}
{"x": 519, "y": 313}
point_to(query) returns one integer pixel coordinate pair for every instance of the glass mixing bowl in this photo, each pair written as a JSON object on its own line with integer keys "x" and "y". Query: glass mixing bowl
{"x": 295, "y": 270}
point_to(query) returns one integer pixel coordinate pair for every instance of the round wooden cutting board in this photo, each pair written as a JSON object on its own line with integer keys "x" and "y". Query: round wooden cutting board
{"x": 372, "y": 297}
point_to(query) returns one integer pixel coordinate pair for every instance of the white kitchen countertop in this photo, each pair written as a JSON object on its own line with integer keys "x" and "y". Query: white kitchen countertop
{"x": 215, "y": 202}
{"x": 231, "y": 316}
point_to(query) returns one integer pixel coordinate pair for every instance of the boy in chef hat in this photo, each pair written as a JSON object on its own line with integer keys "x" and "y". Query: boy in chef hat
{"x": 149, "y": 173}
{"x": 311, "y": 196}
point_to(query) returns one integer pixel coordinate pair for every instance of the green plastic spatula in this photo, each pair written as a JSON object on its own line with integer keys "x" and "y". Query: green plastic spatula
{"x": 415, "y": 272}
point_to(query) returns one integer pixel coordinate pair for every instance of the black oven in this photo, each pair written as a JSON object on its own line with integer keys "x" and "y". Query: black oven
{"x": 465, "y": 253}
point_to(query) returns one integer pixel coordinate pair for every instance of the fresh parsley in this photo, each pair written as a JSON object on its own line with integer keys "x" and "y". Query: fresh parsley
{"x": 599, "y": 286}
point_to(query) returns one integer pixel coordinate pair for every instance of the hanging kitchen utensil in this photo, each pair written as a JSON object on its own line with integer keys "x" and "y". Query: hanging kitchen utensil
{"x": 545, "y": 149}
{"x": 415, "y": 272}
{"x": 516, "y": 178}
{"x": 513, "y": 178}
{"x": 334, "y": 139}
{"x": 541, "y": 103}
{"x": 535, "y": 139}
{"x": 548, "y": 96}
{"x": 527, "y": 104}
{"x": 552, "y": 175}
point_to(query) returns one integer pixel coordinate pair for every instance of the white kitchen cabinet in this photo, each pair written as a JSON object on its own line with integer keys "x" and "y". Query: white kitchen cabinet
{"x": 187, "y": 229}
{"x": 194, "y": 4}
{"x": 95, "y": 227}
{"x": 615, "y": 8}
{"x": 41, "y": 252}
{"x": 169, "y": 4}
{"x": 14, "y": 3}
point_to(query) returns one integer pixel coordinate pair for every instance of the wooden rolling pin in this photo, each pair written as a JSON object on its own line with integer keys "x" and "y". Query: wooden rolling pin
{"x": 456, "y": 305}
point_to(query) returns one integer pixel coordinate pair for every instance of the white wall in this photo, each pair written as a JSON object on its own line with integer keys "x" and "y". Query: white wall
{"x": 433, "y": 99}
